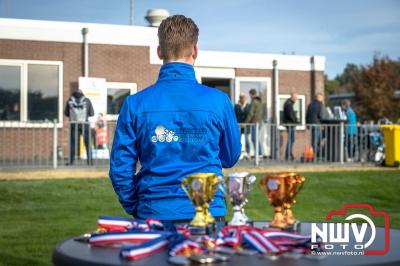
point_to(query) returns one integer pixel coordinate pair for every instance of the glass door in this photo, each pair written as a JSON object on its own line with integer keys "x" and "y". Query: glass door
{"x": 243, "y": 85}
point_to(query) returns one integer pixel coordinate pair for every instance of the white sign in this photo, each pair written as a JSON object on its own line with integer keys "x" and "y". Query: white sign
{"x": 96, "y": 90}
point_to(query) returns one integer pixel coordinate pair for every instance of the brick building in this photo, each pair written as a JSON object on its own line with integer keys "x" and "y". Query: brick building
{"x": 41, "y": 61}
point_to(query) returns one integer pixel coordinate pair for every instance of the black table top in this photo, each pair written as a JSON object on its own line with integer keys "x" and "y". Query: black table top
{"x": 72, "y": 252}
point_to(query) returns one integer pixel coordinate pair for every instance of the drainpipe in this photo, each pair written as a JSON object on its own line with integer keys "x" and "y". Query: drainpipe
{"x": 275, "y": 76}
{"x": 85, "y": 31}
{"x": 312, "y": 73}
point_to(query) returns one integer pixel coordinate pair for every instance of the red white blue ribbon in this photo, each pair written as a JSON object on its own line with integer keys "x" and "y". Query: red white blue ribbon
{"x": 260, "y": 243}
{"x": 122, "y": 237}
{"x": 182, "y": 245}
{"x": 121, "y": 224}
{"x": 145, "y": 249}
{"x": 151, "y": 236}
{"x": 115, "y": 224}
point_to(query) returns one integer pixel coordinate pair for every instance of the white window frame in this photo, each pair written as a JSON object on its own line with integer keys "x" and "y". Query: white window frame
{"x": 119, "y": 85}
{"x": 236, "y": 90}
{"x": 301, "y": 126}
{"x": 23, "y": 122}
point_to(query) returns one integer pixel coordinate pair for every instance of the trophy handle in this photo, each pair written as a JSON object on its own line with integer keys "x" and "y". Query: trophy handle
{"x": 299, "y": 184}
{"x": 301, "y": 181}
{"x": 183, "y": 185}
{"x": 263, "y": 182}
{"x": 219, "y": 182}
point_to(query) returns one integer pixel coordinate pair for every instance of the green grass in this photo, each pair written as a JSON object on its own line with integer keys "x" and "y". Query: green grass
{"x": 35, "y": 215}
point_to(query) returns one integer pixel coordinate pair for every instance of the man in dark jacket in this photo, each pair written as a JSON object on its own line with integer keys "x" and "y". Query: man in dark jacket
{"x": 79, "y": 108}
{"x": 289, "y": 118}
{"x": 313, "y": 119}
{"x": 242, "y": 109}
{"x": 255, "y": 116}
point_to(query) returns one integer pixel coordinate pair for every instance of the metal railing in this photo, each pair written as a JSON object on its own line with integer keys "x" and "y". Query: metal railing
{"x": 312, "y": 143}
{"x": 85, "y": 145}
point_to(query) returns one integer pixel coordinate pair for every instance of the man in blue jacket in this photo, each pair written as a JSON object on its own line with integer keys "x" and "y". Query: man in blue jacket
{"x": 175, "y": 128}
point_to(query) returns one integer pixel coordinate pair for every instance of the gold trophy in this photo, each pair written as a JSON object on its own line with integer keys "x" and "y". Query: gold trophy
{"x": 202, "y": 188}
{"x": 281, "y": 190}
{"x": 295, "y": 183}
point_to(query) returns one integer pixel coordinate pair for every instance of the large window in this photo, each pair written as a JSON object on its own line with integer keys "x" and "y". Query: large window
{"x": 116, "y": 95}
{"x": 30, "y": 91}
{"x": 43, "y": 92}
{"x": 298, "y": 107}
{"x": 115, "y": 99}
{"x": 10, "y": 92}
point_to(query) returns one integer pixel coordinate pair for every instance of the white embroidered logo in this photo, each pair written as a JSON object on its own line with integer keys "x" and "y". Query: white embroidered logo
{"x": 163, "y": 134}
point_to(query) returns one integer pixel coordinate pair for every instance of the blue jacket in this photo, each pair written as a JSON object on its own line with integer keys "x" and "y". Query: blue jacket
{"x": 351, "y": 122}
{"x": 175, "y": 128}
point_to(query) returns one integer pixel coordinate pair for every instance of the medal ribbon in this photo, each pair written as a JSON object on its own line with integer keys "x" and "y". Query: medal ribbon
{"x": 133, "y": 236}
{"x": 145, "y": 249}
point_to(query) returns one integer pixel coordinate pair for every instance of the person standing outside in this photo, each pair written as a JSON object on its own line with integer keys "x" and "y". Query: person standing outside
{"x": 351, "y": 131}
{"x": 255, "y": 116}
{"x": 79, "y": 108}
{"x": 289, "y": 118}
{"x": 242, "y": 109}
{"x": 175, "y": 128}
{"x": 313, "y": 118}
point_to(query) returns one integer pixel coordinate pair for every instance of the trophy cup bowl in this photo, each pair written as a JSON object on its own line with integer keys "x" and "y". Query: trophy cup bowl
{"x": 295, "y": 183}
{"x": 202, "y": 188}
{"x": 281, "y": 190}
{"x": 274, "y": 187}
{"x": 238, "y": 186}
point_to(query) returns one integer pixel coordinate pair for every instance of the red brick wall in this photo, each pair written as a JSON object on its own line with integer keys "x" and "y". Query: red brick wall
{"x": 122, "y": 63}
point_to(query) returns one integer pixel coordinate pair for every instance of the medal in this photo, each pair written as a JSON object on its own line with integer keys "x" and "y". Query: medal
{"x": 204, "y": 258}
{"x": 179, "y": 260}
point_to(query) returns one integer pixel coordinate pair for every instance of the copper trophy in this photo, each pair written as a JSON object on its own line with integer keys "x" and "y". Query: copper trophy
{"x": 281, "y": 190}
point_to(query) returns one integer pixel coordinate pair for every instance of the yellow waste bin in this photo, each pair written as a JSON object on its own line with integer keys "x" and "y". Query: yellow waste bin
{"x": 391, "y": 135}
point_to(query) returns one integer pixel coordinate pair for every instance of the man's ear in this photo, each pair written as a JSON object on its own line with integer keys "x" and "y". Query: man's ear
{"x": 195, "y": 52}
{"x": 159, "y": 53}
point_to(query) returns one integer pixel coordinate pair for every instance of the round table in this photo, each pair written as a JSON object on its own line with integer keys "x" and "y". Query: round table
{"x": 72, "y": 252}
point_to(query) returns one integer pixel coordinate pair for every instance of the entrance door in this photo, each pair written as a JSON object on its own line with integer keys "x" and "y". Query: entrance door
{"x": 263, "y": 87}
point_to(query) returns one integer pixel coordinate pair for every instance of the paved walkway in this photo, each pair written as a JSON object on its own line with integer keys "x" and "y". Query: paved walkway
{"x": 85, "y": 172}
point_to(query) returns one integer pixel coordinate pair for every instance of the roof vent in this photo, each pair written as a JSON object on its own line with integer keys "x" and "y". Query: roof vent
{"x": 155, "y": 16}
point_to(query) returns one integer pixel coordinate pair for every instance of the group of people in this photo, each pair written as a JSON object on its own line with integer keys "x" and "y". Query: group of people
{"x": 252, "y": 113}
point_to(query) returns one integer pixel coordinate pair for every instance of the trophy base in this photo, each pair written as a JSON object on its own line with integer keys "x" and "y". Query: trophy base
{"x": 293, "y": 228}
{"x": 202, "y": 230}
{"x": 251, "y": 223}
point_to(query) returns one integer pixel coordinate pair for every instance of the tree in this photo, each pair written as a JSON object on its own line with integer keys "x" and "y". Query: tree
{"x": 374, "y": 86}
{"x": 331, "y": 85}
{"x": 346, "y": 78}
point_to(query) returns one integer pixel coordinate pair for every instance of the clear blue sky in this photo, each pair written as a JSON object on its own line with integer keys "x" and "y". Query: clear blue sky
{"x": 343, "y": 31}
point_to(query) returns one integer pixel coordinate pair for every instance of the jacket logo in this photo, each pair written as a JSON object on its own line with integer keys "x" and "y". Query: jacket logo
{"x": 163, "y": 134}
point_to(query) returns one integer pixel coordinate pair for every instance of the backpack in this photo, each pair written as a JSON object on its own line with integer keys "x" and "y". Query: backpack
{"x": 78, "y": 111}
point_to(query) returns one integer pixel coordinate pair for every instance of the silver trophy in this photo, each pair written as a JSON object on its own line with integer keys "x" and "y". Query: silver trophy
{"x": 239, "y": 185}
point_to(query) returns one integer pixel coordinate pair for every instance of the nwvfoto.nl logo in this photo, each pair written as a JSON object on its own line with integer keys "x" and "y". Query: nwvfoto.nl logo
{"x": 338, "y": 235}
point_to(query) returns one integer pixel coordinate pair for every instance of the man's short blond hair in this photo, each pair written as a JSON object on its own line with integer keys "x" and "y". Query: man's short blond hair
{"x": 177, "y": 36}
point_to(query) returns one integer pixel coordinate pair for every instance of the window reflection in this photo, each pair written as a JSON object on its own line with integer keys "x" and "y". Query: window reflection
{"x": 10, "y": 92}
{"x": 297, "y": 108}
{"x": 43, "y": 92}
{"x": 115, "y": 100}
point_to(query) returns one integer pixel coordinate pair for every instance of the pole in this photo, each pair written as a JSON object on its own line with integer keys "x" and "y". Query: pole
{"x": 276, "y": 105}
{"x": 85, "y": 31}
{"x": 257, "y": 145}
{"x": 132, "y": 14}
{"x": 55, "y": 142}
{"x": 341, "y": 141}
